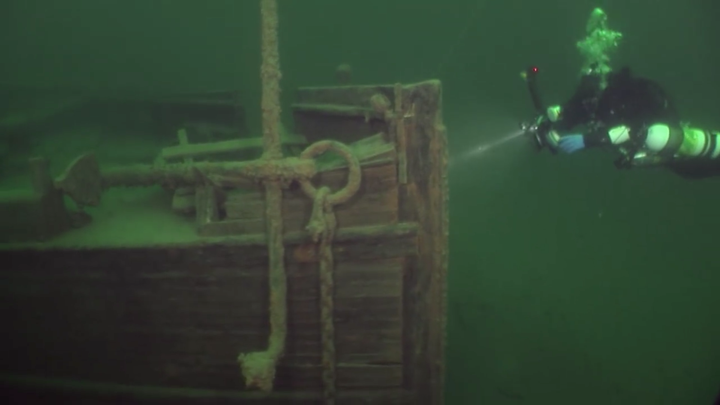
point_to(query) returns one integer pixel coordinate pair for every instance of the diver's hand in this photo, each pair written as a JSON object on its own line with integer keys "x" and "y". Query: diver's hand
{"x": 571, "y": 143}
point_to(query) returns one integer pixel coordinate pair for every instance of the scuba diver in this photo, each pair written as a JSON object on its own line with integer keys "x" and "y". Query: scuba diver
{"x": 635, "y": 115}
{"x": 616, "y": 108}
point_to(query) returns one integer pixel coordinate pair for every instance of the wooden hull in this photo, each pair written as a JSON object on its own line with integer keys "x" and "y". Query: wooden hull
{"x": 175, "y": 315}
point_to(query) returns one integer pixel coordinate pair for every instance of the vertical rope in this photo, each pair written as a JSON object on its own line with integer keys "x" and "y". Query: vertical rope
{"x": 270, "y": 75}
{"x": 278, "y": 280}
{"x": 327, "y": 309}
{"x": 259, "y": 367}
{"x": 322, "y": 226}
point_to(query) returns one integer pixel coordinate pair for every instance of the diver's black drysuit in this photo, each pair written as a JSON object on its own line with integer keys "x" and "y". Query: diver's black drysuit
{"x": 636, "y": 103}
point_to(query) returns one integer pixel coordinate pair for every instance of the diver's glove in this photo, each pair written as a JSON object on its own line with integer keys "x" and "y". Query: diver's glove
{"x": 571, "y": 143}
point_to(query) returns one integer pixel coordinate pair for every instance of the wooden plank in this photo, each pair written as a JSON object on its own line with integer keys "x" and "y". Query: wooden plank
{"x": 349, "y": 376}
{"x": 422, "y": 199}
{"x": 37, "y": 390}
{"x": 366, "y": 238}
{"x": 206, "y": 204}
{"x": 343, "y": 113}
{"x": 358, "y": 96}
{"x": 376, "y": 202}
{"x": 333, "y": 109}
{"x": 34, "y": 215}
{"x": 371, "y": 151}
{"x": 200, "y": 150}
{"x": 179, "y": 318}
{"x": 347, "y": 129}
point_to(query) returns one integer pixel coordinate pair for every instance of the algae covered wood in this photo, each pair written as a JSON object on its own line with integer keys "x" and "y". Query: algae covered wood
{"x": 38, "y": 214}
{"x": 175, "y": 315}
{"x": 204, "y": 150}
{"x": 376, "y": 202}
{"x": 417, "y": 109}
{"x": 153, "y": 316}
{"x": 338, "y": 298}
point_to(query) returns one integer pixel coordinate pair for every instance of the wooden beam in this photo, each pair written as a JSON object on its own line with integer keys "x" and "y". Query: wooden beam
{"x": 338, "y": 110}
{"x": 375, "y": 203}
{"x": 323, "y": 111}
{"x": 176, "y": 317}
{"x": 357, "y": 234}
{"x": 32, "y": 388}
{"x": 201, "y": 150}
{"x": 425, "y": 199}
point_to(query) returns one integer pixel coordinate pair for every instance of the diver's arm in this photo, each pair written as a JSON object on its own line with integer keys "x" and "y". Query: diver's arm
{"x": 623, "y": 135}
{"x": 572, "y": 142}
{"x": 578, "y": 109}
{"x": 599, "y": 136}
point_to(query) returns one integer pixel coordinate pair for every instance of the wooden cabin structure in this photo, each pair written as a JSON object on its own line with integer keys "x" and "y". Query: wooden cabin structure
{"x": 314, "y": 274}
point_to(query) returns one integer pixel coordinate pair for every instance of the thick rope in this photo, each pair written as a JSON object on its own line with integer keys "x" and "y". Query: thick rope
{"x": 322, "y": 228}
{"x": 259, "y": 367}
{"x": 270, "y": 75}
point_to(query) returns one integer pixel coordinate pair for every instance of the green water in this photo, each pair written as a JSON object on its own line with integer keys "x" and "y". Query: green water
{"x": 570, "y": 282}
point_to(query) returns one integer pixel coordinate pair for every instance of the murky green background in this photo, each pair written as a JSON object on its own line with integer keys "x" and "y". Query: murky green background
{"x": 570, "y": 282}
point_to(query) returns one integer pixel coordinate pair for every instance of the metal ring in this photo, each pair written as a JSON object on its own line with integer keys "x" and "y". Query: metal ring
{"x": 354, "y": 174}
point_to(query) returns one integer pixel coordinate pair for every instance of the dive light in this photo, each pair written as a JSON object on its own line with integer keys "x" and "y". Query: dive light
{"x": 538, "y": 129}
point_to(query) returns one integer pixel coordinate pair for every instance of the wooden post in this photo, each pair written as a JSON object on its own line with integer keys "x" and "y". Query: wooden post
{"x": 42, "y": 182}
{"x": 206, "y": 204}
{"x": 185, "y": 198}
{"x": 400, "y": 134}
{"x": 52, "y": 218}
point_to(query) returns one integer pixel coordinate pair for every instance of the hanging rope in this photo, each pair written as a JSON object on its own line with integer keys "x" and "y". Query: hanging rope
{"x": 322, "y": 227}
{"x": 270, "y": 75}
{"x": 258, "y": 368}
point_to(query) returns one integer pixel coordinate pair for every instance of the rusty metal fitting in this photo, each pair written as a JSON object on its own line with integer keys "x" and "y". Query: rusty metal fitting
{"x": 354, "y": 174}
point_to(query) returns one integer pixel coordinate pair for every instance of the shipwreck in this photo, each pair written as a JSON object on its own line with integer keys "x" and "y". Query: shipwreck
{"x": 315, "y": 273}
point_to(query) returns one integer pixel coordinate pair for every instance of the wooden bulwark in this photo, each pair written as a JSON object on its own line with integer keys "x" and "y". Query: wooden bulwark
{"x": 422, "y": 199}
{"x": 34, "y": 390}
{"x": 152, "y": 316}
{"x": 176, "y": 315}
{"x": 204, "y": 150}
{"x": 309, "y": 279}
{"x": 376, "y": 202}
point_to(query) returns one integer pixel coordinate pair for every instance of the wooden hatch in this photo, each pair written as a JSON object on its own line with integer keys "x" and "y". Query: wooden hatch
{"x": 316, "y": 273}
